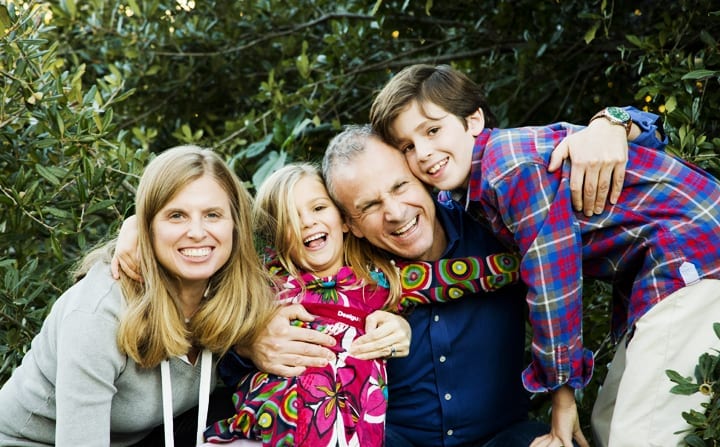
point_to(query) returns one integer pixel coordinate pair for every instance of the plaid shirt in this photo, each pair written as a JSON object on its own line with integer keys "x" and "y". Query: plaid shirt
{"x": 661, "y": 236}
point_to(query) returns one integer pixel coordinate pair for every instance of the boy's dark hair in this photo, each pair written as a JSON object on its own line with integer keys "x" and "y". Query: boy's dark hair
{"x": 441, "y": 85}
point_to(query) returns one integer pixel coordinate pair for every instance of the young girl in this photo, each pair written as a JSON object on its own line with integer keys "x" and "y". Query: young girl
{"x": 341, "y": 279}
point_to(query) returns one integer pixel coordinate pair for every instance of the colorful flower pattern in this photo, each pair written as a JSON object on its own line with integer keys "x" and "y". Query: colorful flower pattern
{"x": 344, "y": 403}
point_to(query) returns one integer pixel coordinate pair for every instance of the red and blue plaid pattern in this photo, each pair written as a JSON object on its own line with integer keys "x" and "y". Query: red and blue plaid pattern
{"x": 668, "y": 217}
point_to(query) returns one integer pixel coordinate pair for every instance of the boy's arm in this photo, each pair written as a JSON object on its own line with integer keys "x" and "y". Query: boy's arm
{"x": 598, "y": 155}
{"x": 565, "y": 421}
{"x": 532, "y": 207}
{"x": 538, "y": 211}
{"x": 449, "y": 279}
{"x": 647, "y": 129}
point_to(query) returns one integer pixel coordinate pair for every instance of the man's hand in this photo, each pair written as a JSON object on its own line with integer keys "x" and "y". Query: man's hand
{"x": 598, "y": 154}
{"x": 286, "y": 350}
{"x": 387, "y": 335}
{"x": 565, "y": 422}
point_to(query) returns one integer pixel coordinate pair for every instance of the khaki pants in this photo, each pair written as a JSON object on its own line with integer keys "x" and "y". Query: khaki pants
{"x": 634, "y": 407}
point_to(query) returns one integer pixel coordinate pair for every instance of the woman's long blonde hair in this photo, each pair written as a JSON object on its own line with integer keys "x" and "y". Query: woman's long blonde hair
{"x": 276, "y": 221}
{"x": 239, "y": 299}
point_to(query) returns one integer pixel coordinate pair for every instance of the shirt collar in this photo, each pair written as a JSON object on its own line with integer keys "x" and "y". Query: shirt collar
{"x": 450, "y": 216}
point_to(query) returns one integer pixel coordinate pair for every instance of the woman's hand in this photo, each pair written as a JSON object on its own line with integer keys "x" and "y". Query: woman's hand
{"x": 598, "y": 154}
{"x": 387, "y": 335}
{"x": 286, "y": 350}
{"x": 126, "y": 251}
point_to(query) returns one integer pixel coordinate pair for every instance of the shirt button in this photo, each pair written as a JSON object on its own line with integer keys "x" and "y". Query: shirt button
{"x": 442, "y": 359}
{"x": 448, "y": 396}
{"x": 450, "y": 432}
{"x": 437, "y": 318}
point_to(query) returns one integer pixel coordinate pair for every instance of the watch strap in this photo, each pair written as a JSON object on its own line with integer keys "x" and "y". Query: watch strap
{"x": 605, "y": 114}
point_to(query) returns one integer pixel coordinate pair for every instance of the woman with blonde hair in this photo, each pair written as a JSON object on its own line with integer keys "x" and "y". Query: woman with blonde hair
{"x": 114, "y": 359}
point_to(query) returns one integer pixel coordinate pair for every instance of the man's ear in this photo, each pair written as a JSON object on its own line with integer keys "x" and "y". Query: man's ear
{"x": 353, "y": 229}
{"x": 476, "y": 122}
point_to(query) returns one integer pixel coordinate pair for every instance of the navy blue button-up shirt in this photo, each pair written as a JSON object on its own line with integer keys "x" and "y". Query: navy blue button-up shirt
{"x": 462, "y": 381}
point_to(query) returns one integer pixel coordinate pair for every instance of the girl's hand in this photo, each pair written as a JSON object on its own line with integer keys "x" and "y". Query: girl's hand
{"x": 387, "y": 335}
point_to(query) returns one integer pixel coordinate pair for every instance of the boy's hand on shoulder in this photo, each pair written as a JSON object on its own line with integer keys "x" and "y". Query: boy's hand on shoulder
{"x": 598, "y": 154}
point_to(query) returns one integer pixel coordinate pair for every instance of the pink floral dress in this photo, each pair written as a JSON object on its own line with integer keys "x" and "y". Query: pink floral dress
{"x": 344, "y": 403}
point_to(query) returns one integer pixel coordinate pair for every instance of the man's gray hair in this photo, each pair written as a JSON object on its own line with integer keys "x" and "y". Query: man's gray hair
{"x": 341, "y": 151}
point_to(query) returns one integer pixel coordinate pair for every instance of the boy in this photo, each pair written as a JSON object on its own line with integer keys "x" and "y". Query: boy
{"x": 655, "y": 245}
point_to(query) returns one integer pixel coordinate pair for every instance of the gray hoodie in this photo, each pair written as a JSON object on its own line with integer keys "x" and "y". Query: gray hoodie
{"x": 74, "y": 387}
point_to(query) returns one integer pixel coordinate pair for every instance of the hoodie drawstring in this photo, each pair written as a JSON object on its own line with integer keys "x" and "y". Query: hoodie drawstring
{"x": 203, "y": 398}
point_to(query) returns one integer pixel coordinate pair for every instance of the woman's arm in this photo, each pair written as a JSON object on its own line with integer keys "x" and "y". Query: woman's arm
{"x": 88, "y": 362}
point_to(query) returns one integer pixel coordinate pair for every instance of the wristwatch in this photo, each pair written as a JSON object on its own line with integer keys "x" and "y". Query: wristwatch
{"x": 615, "y": 115}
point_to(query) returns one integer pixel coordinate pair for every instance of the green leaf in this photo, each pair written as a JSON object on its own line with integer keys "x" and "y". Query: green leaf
{"x": 685, "y": 389}
{"x": 590, "y": 33}
{"x": 258, "y": 147}
{"x": 102, "y": 205}
{"x": 700, "y": 74}
{"x": 274, "y": 162}
{"x": 47, "y": 174}
{"x": 69, "y": 7}
{"x": 303, "y": 66}
{"x": 693, "y": 440}
{"x": 635, "y": 40}
{"x": 671, "y": 104}
{"x": 5, "y": 21}
{"x": 11, "y": 279}
{"x": 675, "y": 376}
{"x": 63, "y": 214}
{"x": 56, "y": 248}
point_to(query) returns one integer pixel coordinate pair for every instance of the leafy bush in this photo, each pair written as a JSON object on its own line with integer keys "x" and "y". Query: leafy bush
{"x": 705, "y": 431}
{"x": 64, "y": 172}
{"x": 92, "y": 89}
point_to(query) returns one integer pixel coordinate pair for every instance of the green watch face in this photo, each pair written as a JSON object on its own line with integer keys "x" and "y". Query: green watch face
{"x": 618, "y": 115}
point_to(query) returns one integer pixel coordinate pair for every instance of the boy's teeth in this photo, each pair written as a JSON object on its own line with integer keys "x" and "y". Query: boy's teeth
{"x": 196, "y": 252}
{"x": 436, "y": 167}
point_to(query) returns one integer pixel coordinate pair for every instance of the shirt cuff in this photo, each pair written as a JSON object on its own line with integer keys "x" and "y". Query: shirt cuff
{"x": 649, "y": 124}
{"x": 233, "y": 367}
{"x": 537, "y": 379}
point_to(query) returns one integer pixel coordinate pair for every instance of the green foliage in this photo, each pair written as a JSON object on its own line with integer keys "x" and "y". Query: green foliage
{"x": 705, "y": 431}
{"x": 63, "y": 172}
{"x": 680, "y": 67}
{"x": 91, "y": 89}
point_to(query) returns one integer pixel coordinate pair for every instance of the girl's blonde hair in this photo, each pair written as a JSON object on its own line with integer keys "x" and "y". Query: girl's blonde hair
{"x": 276, "y": 221}
{"x": 239, "y": 298}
